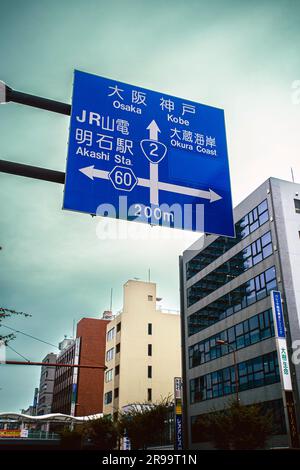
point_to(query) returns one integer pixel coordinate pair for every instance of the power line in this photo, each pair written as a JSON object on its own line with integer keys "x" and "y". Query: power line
{"x": 42, "y": 341}
{"x": 23, "y": 357}
{"x": 30, "y": 336}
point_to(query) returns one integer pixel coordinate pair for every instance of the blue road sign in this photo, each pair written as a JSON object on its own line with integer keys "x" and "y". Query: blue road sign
{"x": 141, "y": 155}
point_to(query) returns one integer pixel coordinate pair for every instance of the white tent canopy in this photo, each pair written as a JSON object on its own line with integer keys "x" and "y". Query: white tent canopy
{"x": 52, "y": 417}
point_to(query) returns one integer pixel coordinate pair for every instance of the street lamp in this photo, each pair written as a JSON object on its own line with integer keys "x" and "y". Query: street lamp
{"x": 236, "y": 376}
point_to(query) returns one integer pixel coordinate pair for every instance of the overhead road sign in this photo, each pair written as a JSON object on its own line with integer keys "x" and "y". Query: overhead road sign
{"x": 141, "y": 155}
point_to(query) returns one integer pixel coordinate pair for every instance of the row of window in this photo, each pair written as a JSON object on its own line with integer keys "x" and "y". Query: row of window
{"x": 111, "y": 351}
{"x": 111, "y": 333}
{"x": 246, "y": 333}
{"x": 238, "y": 264}
{"x": 109, "y": 373}
{"x": 248, "y": 224}
{"x": 257, "y": 372}
{"x": 244, "y": 295}
{"x": 108, "y": 396}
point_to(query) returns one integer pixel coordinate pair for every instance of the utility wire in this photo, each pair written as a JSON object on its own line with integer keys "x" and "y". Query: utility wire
{"x": 40, "y": 340}
{"x": 30, "y": 336}
{"x": 23, "y": 357}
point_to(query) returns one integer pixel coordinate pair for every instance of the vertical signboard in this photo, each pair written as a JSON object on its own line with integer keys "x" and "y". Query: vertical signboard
{"x": 284, "y": 365}
{"x": 178, "y": 413}
{"x": 75, "y": 378}
{"x": 281, "y": 340}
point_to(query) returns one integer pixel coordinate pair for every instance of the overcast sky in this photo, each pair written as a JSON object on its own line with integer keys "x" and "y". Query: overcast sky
{"x": 240, "y": 56}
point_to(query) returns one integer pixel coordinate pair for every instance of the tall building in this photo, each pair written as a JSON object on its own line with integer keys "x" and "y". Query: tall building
{"x": 143, "y": 352}
{"x": 226, "y": 290}
{"x": 46, "y": 385}
{"x": 65, "y": 379}
{"x": 79, "y": 391}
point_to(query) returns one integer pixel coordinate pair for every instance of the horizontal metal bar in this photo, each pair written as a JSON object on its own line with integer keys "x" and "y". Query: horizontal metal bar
{"x": 37, "y": 101}
{"x": 51, "y": 364}
{"x": 29, "y": 171}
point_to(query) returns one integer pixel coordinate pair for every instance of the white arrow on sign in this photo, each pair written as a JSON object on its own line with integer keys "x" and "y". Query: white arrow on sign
{"x": 92, "y": 172}
{"x": 153, "y": 135}
{"x": 153, "y": 130}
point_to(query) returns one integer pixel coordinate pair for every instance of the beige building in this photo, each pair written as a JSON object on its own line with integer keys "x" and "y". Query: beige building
{"x": 143, "y": 350}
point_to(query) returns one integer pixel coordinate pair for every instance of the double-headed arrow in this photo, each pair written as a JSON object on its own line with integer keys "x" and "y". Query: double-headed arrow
{"x": 92, "y": 173}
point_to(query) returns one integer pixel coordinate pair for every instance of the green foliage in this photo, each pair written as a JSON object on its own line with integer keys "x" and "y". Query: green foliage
{"x": 145, "y": 423}
{"x": 6, "y": 313}
{"x": 237, "y": 427}
{"x": 100, "y": 434}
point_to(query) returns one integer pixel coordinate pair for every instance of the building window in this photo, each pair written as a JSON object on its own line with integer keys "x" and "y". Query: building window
{"x": 117, "y": 370}
{"x": 108, "y": 398}
{"x": 244, "y": 295}
{"x": 150, "y": 298}
{"x": 251, "y": 255}
{"x": 109, "y": 354}
{"x": 118, "y": 348}
{"x": 116, "y": 392}
{"x": 257, "y": 372}
{"x": 248, "y": 224}
{"x": 118, "y": 327}
{"x": 246, "y": 333}
{"x": 297, "y": 205}
{"x": 149, "y": 372}
{"x": 109, "y": 375}
{"x": 149, "y": 394}
{"x": 149, "y": 328}
{"x": 110, "y": 334}
{"x": 149, "y": 349}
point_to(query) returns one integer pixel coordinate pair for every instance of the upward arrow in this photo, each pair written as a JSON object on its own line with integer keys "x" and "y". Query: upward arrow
{"x": 153, "y": 130}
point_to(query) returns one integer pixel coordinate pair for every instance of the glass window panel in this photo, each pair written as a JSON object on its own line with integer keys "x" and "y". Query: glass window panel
{"x": 264, "y": 218}
{"x": 270, "y": 274}
{"x": 239, "y": 329}
{"x": 267, "y": 250}
{"x": 261, "y": 294}
{"x": 253, "y": 322}
{"x": 266, "y": 239}
{"x": 261, "y": 321}
{"x": 231, "y": 335}
{"x": 271, "y": 285}
{"x": 257, "y": 259}
{"x": 263, "y": 206}
{"x": 214, "y": 377}
{"x": 254, "y": 336}
{"x": 240, "y": 342}
{"x": 246, "y": 252}
{"x": 245, "y": 232}
{"x": 266, "y": 317}
{"x": 242, "y": 368}
{"x": 254, "y": 226}
{"x": 262, "y": 280}
{"x": 257, "y": 364}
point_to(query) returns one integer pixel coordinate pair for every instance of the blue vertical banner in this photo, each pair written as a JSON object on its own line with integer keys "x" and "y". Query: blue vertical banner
{"x": 281, "y": 344}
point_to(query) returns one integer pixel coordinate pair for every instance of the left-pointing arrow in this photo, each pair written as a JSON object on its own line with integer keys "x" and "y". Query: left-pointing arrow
{"x": 92, "y": 172}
